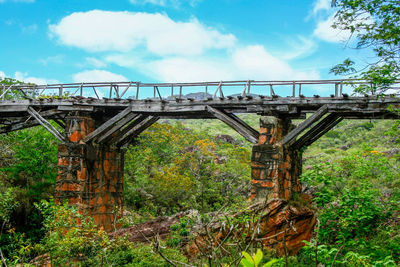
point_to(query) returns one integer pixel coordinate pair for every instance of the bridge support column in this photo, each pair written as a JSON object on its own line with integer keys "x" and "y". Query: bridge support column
{"x": 90, "y": 176}
{"x": 275, "y": 168}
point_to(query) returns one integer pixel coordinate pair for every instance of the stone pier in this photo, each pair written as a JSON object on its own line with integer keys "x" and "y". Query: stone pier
{"x": 275, "y": 169}
{"x": 90, "y": 175}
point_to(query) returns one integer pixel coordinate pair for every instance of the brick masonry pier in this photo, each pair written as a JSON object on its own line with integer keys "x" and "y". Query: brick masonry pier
{"x": 90, "y": 175}
{"x": 275, "y": 168}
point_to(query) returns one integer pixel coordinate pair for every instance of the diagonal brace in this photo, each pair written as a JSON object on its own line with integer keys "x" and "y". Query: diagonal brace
{"x": 107, "y": 135}
{"x": 136, "y": 130}
{"x": 235, "y": 123}
{"x": 46, "y": 124}
{"x": 107, "y": 125}
{"x": 318, "y": 130}
{"x": 290, "y": 137}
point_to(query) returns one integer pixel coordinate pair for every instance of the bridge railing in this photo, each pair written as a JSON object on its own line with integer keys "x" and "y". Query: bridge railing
{"x": 195, "y": 90}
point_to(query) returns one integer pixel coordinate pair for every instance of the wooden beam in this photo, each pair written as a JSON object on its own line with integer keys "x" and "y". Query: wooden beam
{"x": 248, "y": 127}
{"x": 237, "y": 125}
{"x": 324, "y": 131}
{"x": 135, "y": 131}
{"x": 46, "y": 124}
{"x": 18, "y": 126}
{"x": 107, "y": 125}
{"x": 122, "y": 131}
{"x": 106, "y": 136}
{"x": 304, "y": 125}
{"x": 314, "y": 133}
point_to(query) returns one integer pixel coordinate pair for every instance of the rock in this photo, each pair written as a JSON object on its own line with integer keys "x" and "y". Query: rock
{"x": 145, "y": 232}
{"x": 345, "y": 147}
{"x": 282, "y": 226}
{"x": 225, "y": 138}
{"x": 391, "y": 153}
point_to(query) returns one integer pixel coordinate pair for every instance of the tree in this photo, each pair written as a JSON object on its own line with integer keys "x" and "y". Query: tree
{"x": 376, "y": 25}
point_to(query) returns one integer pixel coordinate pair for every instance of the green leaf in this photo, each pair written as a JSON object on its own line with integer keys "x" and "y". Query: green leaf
{"x": 258, "y": 257}
{"x": 270, "y": 263}
{"x": 247, "y": 256}
{"x": 246, "y": 263}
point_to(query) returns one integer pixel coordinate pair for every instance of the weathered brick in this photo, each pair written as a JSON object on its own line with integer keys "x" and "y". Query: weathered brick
{"x": 272, "y": 164}
{"x": 89, "y": 175}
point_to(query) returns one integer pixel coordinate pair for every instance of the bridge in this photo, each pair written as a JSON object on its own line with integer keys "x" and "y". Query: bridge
{"x": 97, "y": 121}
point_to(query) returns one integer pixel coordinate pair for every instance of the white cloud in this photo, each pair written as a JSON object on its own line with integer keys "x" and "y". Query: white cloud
{"x": 153, "y": 2}
{"x": 324, "y": 31}
{"x": 320, "y": 5}
{"x": 30, "y": 79}
{"x": 171, "y": 51}
{"x": 97, "y": 76}
{"x": 57, "y": 59}
{"x": 2, "y": 75}
{"x": 254, "y": 62}
{"x": 29, "y": 29}
{"x": 123, "y": 60}
{"x": 188, "y": 70}
{"x": 299, "y": 47}
{"x": 250, "y": 62}
{"x": 95, "y": 62}
{"x": 124, "y": 31}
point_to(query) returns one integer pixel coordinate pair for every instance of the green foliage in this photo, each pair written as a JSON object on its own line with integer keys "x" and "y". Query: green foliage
{"x": 73, "y": 239}
{"x": 8, "y": 203}
{"x": 357, "y": 199}
{"x": 172, "y": 169}
{"x": 375, "y": 24}
{"x": 255, "y": 260}
{"x": 180, "y": 232}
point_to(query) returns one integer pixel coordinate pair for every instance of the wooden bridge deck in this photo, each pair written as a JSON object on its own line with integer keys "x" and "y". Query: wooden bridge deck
{"x": 24, "y": 105}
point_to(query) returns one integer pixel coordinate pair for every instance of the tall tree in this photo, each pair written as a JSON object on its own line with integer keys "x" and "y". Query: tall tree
{"x": 375, "y": 24}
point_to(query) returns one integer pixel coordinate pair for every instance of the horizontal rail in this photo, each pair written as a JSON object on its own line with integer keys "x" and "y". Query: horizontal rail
{"x": 131, "y": 89}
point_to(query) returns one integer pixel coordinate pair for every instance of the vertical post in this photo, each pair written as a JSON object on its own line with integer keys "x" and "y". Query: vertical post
{"x": 180, "y": 92}
{"x": 137, "y": 90}
{"x": 116, "y": 88}
{"x": 60, "y": 91}
{"x": 336, "y": 90}
{"x": 294, "y": 89}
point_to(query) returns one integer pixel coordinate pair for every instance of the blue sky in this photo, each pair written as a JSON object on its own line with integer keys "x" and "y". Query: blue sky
{"x": 169, "y": 40}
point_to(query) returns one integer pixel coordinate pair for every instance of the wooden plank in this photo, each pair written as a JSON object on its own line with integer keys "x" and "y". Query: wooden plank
{"x": 107, "y": 125}
{"x": 106, "y": 136}
{"x": 315, "y": 130}
{"x": 128, "y": 127}
{"x": 324, "y": 131}
{"x": 248, "y": 127}
{"x": 75, "y": 108}
{"x": 18, "y": 126}
{"x": 234, "y": 124}
{"x": 135, "y": 131}
{"x": 46, "y": 124}
{"x": 305, "y": 124}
